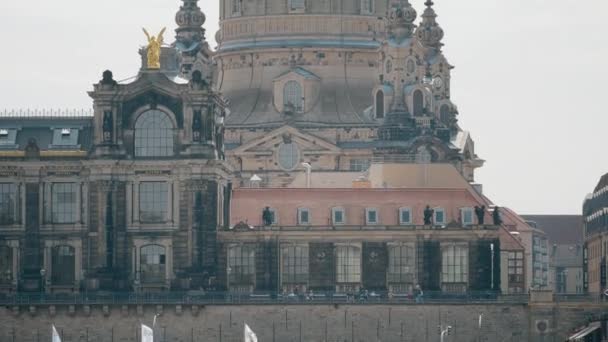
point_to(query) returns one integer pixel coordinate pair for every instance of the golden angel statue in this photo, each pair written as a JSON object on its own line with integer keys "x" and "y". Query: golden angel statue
{"x": 154, "y": 45}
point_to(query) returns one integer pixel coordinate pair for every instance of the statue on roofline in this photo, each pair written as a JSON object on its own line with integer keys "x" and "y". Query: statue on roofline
{"x": 154, "y": 46}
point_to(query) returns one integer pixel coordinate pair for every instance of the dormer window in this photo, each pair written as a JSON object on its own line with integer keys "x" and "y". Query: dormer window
{"x": 65, "y": 138}
{"x": 292, "y": 97}
{"x": 65, "y": 132}
{"x": 3, "y": 133}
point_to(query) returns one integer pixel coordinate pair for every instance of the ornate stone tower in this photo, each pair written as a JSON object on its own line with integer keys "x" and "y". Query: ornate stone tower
{"x": 190, "y": 41}
{"x": 159, "y": 184}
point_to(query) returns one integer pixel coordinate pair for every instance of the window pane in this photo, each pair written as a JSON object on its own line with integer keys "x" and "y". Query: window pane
{"x": 8, "y": 200}
{"x": 289, "y": 156}
{"x": 405, "y": 216}
{"x": 63, "y": 202}
{"x": 63, "y": 265}
{"x": 292, "y": 96}
{"x": 153, "y": 264}
{"x": 348, "y": 264}
{"x": 295, "y": 264}
{"x": 153, "y": 135}
{"x": 153, "y": 201}
{"x": 6, "y": 265}
{"x": 241, "y": 264}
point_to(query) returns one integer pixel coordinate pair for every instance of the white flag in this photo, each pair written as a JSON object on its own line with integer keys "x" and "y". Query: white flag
{"x": 56, "y": 337}
{"x": 250, "y": 335}
{"x": 147, "y": 334}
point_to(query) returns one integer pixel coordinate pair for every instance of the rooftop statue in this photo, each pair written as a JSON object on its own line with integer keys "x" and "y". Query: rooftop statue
{"x": 154, "y": 45}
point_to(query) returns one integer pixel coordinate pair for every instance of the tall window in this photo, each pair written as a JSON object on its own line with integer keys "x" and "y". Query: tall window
{"x": 367, "y": 6}
{"x": 6, "y": 265}
{"x": 8, "y": 203}
{"x": 380, "y": 104}
{"x": 418, "y": 103}
{"x": 63, "y": 265}
{"x": 295, "y": 264}
{"x": 153, "y": 263}
{"x": 455, "y": 264}
{"x": 236, "y": 6}
{"x": 63, "y": 202}
{"x": 371, "y": 216}
{"x": 401, "y": 264}
{"x": 241, "y": 265}
{"x": 153, "y": 201}
{"x": 348, "y": 264}
{"x": 297, "y": 4}
{"x": 292, "y": 96}
{"x": 444, "y": 114}
{"x": 289, "y": 156}
{"x": 359, "y": 165}
{"x": 516, "y": 272}
{"x": 153, "y": 135}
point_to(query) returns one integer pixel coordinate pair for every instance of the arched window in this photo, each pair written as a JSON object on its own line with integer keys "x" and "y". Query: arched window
{"x": 444, "y": 114}
{"x": 292, "y": 97}
{"x": 289, "y": 156}
{"x": 418, "y": 103}
{"x": 153, "y": 135}
{"x": 63, "y": 265}
{"x": 380, "y": 104}
{"x": 6, "y": 265}
{"x": 153, "y": 263}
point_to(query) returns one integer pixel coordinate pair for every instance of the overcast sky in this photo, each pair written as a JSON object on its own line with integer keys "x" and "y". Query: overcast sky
{"x": 529, "y": 81}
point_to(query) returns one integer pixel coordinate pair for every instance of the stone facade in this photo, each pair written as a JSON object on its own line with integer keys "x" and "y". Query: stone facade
{"x": 392, "y": 323}
{"x": 595, "y": 216}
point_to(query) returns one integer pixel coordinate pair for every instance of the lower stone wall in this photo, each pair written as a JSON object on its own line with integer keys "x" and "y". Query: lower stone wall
{"x": 293, "y": 323}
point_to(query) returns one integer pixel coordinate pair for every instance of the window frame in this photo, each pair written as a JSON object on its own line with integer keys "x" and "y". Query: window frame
{"x": 156, "y": 276}
{"x": 300, "y": 212}
{"x": 295, "y": 154}
{"x": 334, "y": 210}
{"x": 397, "y": 272}
{"x": 351, "y": 271}
{"x": 449, "y": 274}
{"x": 240, "y": 264}
{"x": 60, "y": 276}
{"x": 296, "y": 5}
{"x": 293, "y": 90}
{"x": 409, "y": 211}
{"x": 147, "y": 137}
{"x": 164, "y": 209}
{"x": 463, "y": 212}
{"x": 10, "y": 211}
{"x": 368, "y": 212}
{"x": 368, "y": 6}
{"x": 295, "y": 266}
{"x": 435, "y": 213}
{"x": 54, "y": 206}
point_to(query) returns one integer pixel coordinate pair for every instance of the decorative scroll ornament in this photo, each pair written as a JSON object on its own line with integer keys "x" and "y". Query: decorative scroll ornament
{"x": 154, "y": 48}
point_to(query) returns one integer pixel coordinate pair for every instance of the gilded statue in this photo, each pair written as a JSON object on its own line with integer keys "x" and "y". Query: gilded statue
{"x": 154, "y": 46}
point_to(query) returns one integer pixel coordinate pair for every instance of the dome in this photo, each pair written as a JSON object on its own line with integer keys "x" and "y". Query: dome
{"x": 430, "y": 33}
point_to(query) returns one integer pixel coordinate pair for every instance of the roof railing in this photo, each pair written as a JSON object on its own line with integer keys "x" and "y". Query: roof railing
{"x": 37, "y": 113}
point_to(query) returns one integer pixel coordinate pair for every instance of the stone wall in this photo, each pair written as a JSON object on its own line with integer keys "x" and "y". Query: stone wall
{"x": 343, "y": 323}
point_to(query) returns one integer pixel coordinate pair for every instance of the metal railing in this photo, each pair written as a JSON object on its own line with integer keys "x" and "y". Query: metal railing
{"x": 45, "y": 113}
{"x": 338, "y": 227}
{"x": 228, "y": 298}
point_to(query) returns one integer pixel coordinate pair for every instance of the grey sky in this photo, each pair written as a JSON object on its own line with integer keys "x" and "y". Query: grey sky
{"x": 529, "y": 79}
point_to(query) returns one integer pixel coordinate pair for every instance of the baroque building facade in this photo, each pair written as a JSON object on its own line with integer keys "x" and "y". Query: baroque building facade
{"x": 138, "y": 196}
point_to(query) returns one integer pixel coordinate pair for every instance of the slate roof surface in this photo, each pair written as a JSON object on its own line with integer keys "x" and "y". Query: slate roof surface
{"x": 41, "y": 129}
{"x": 560, "y": 229}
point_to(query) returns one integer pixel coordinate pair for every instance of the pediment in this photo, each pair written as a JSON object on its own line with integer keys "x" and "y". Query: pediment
{"x": 297, "y": 73}
{"x": 269, "y": 142}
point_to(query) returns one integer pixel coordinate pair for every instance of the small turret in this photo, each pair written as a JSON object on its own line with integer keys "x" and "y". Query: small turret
{"x": 401, "y": 19}
{"x": 429, "y": 33}
{"x": 190, "y": 32}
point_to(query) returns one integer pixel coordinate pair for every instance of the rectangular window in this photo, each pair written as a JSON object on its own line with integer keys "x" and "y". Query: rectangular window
{"x": 455, "y": 264}
{"x": 359, "y": 165}
{"x": 65, "y": 138}
{"x": 8, "y": 137}
{"x": 516, "y": 269}
{"x": 236, "y": 6}
{"x": 405, "y": 216}
{"x": 348, "y": 264}
{"x": 295, "y": 264}
{"x": 241, "y": 264}
{"x": 466, "y": 216}
{"x": 63, "y": 202}
{"x": 367, "y": 6}
{"x": 371, "y": 216}
{"x": 297, "y": 5}
{"x": 338, "y": 216}
{"x": 439, "y": 217}
{"x": 8, "y": 203}
{"x": 401, "y": 264}
{"x": 153, "y": 197}
{"x": 303, "y": 216}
